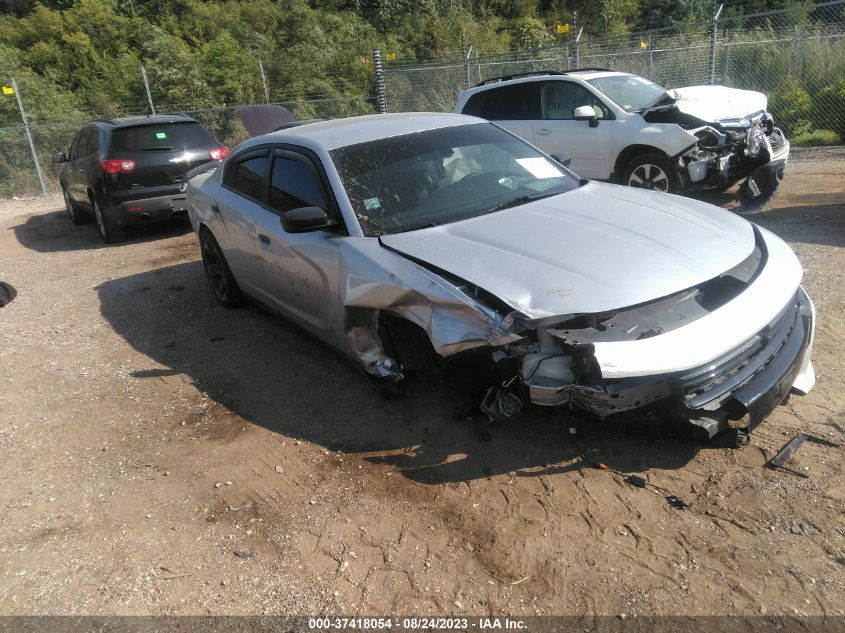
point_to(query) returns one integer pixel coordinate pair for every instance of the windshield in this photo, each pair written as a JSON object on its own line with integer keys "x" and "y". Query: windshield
{"x": 439, "y": 176}
{"x": 631, "y": 93}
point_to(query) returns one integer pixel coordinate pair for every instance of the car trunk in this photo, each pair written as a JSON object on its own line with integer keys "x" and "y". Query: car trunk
{"x": 163, "y": 155}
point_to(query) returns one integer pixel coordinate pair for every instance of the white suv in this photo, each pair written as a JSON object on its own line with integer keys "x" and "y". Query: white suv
{"x": 623, "y": 128}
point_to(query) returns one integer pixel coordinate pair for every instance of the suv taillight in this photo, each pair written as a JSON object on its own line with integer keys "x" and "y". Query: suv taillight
{"x": 112, "y": 166}
{"x": 218, "y": 153}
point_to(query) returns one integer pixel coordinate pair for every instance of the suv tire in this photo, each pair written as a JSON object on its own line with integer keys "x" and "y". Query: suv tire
{"x": 109, "y": 233}
{"x": 651, "y": 171}
{"x": 77, "y": 216}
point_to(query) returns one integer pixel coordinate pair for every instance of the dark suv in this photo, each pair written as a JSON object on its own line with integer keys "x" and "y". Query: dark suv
{"x": 122, "y": 172}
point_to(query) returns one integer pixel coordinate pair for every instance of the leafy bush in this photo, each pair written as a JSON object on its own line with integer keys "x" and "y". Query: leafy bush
{"x": 791, "y": 105}
{"x": 829, "y": 107}
{"x": 815, "y": 138}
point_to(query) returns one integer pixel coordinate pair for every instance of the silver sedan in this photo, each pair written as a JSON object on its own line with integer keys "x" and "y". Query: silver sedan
{"x": 423, "y": 245}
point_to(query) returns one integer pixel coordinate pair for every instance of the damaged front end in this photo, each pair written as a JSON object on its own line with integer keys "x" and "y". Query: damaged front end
{"x": 559, "y": 362}
{"x": 749, "y": 149}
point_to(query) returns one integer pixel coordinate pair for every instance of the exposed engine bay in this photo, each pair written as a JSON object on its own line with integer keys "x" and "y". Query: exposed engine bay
{"x": 728, "y": 151}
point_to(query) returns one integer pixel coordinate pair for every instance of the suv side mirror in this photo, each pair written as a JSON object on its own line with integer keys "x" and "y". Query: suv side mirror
{"x": 305, "y": 219}
{"x": 563, "y": 158}
{"x": 59, "y": 158}
{"x": 586, "y": 113}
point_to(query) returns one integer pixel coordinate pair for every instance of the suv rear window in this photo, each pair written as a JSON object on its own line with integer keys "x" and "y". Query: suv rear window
{"x": 163, "y": 137}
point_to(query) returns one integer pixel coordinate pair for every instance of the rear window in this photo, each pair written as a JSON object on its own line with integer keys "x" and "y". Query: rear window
{"x": 165, "y": 137}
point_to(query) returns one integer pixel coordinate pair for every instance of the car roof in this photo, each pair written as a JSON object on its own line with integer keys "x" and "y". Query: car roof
{"x": 338, "y": 133}
{"x": 134, "y": 121}
{"x": 582, "y": 73}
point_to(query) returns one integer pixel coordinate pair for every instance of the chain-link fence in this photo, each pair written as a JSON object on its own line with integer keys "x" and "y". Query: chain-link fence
{"x": 796, "y": 56}
{"x": 18, "y": 176}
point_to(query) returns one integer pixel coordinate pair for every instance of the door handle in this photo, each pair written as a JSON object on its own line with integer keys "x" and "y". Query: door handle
{"x": 543, "y": 131}
{"x": 263, "y": 238}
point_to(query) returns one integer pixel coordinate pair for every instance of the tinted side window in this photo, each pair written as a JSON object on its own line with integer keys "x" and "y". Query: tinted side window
{"x": 249, "y": 178}
{"x": 293, "y": 184}
{"x": 518, "y": 102}
{"x": 476, "y": 105}
{"x": 74, "y": 147}
{"x": 88, "y": 142}
{"x": 560, "y": 98}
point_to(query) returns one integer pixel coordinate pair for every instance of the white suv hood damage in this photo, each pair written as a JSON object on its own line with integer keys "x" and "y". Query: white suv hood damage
{"x": 590, "y": 250}
{"x": 718, "y": 103}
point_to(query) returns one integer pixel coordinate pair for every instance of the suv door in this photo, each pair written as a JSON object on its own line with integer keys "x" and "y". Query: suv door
{"x": 240, "y": 204}
{"x": 294, "y": 262}
{"x": 514, "y": 107}
{"x": 558, "y": 131}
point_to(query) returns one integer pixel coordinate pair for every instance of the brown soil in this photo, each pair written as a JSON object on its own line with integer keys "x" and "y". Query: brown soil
{"x": 160, "y": 454}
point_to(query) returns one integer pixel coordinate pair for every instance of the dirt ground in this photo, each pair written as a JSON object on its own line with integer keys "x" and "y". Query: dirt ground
{"x": 162, "y": 455}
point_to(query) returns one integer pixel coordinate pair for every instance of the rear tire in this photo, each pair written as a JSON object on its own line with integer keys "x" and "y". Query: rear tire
{"x": 109, "y": 233}
{"x": 77, "y": 216}
{"x": 220, "y": 278}
{"x": 651, "y": 171}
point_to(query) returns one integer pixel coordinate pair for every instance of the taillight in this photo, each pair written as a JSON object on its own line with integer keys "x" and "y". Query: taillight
{"x": 218, "y": 153}
{"x": 112, "y": 166}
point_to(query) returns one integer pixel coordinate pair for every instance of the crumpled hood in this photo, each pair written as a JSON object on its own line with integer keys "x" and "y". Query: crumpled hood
{"x": 598, "y": 248}
{"x": 715, "y": 103}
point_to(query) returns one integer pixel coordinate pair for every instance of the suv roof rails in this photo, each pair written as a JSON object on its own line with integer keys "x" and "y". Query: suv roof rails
{"x": 540, "y": 73}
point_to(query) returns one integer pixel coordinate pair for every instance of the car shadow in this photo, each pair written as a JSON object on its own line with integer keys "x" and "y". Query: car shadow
{"x": 52, "y": 232}
{"x": 271, "y": 373}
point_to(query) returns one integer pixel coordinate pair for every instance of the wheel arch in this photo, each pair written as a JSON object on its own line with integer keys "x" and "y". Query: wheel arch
{"x": 631, "y": 152}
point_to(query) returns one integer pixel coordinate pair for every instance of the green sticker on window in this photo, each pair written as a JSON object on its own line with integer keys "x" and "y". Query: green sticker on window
{"x": 371, "y": 203}
{"x": 161, "y": 135}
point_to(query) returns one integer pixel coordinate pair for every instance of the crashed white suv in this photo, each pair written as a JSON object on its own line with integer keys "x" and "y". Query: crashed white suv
{"x": 623, "y": 128}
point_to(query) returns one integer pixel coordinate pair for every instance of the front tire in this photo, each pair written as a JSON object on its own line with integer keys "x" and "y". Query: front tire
{"x": 109, "y": 233}
{"x": 220, "y": 278}
{"x": 651, "y": 171}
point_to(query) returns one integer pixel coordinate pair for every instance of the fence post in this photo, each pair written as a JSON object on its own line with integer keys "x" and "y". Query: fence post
{"x": 381, "y": 93}
{"x": 578, "y": 48}
{"x": 713, "y": 37}
{"x": 467, "y": 53}
{"x": 478, "y": 65}
{"x": 650, "y": 60}
{"x": 726, "y": 66}
{"x": 264, "y": 81}
{"x": 147, "y": 86}
{"x": 29, "y": 137}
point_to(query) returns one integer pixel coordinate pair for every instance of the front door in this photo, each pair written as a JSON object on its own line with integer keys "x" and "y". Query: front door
{"x": 559, "y": 132}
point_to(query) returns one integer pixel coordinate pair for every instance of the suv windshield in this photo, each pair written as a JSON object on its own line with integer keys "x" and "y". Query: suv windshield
{"x": 165, "y": 137}
{"x": 631, "y": 93}
{"x": 439, "y": 176}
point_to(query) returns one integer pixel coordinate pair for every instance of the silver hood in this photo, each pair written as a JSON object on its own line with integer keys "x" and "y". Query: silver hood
{"x": 600, "y": 247}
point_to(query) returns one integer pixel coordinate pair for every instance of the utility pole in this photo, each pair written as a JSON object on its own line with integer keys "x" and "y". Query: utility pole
{"x": 147, "y": 86}
{"x": 29, "y": 137}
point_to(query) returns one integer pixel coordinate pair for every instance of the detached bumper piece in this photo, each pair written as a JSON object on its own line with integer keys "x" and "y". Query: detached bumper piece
{"x": 739, "y": 390}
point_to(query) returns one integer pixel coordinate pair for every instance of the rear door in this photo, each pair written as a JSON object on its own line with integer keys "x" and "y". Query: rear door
{"x": 515, "y": 107}
{"x": 240, "y": 204}
{"x": 163, "y": 154}
{"x": 559, "y": 132}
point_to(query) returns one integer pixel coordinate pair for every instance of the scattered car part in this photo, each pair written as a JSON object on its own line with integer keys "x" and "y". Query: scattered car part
{"x": 790, "y": 447}
{"x": 264, "y": 118}
{"x": 7, "y": 294}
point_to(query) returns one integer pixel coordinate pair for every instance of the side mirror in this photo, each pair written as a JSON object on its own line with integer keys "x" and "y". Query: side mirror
{"x": 586, "y": 113}
{"x": 563, "y": 158}
{"x": 305, "y": 219}
{"x": 59, "y": 158}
